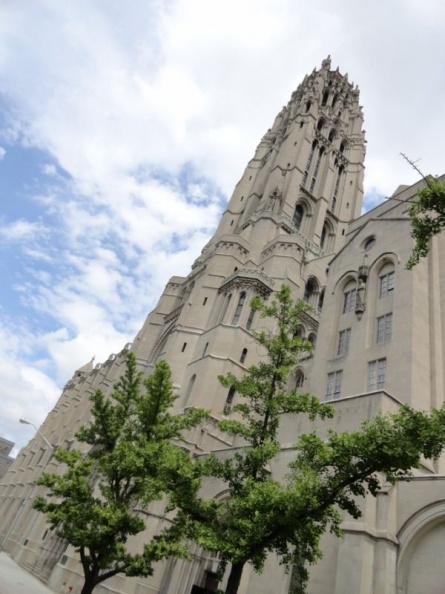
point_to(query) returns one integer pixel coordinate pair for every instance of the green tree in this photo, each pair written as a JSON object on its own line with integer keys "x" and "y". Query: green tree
{"x": 427, "y": 214}
{"x": 101, "y": 498}
{"x": 263, "y": 515}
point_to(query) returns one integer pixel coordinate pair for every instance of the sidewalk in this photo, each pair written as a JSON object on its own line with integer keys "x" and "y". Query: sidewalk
{"x": 15, "y": 580}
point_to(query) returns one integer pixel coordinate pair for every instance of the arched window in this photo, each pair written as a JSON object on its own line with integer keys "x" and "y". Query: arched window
{"x": 308, "y": 106}
{"x": 243, "y": 356}
{"x": 336, "y": 188}
{"x": 320, "y": 124}
{"x": 386, "y": 280}
{"x": 309, "y": 290}
{"x": 332, "y": 135}
{"x": 229, "y": 401}
{"x": 312, "y": 338}
{"x": 299, "y": 379}
{"x": 309, "y": 161}
{"x": 239, "y": 308}
{"x": 320, "y": 301}
{"x": 298, "y": 216}
{"x": 342, "y": 147}
{"x": 334, "y": 101}
{"x": 225, "y": 307}
{"x": 250, "y": 319}
{"x": 325, "y": 98}
{"x": 316, "y": 168}
{"x": 190, "y": 387}
{"x": 324, "y": 234}
{"x": 327, "y": 236}
{"x": 349, "y": 296}
{"x": 299, "y": 332}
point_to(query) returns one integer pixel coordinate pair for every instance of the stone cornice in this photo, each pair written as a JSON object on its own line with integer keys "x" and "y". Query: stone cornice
{"x": 248, "y": 278}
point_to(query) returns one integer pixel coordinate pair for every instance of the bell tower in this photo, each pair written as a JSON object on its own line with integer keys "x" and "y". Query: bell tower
{"x": 306, "y": 177}
{"x": 283, "y": 224}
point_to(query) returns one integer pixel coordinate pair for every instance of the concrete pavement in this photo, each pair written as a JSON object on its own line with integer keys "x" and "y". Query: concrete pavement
{"x": 15, "y": 580}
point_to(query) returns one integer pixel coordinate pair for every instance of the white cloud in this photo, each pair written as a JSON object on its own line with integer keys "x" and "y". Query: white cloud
{"x": 20, "y": 230}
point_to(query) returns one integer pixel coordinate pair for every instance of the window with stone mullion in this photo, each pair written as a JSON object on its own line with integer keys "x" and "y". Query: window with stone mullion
{"x": 384, "y": 328}
{"x": 344, "y": 338}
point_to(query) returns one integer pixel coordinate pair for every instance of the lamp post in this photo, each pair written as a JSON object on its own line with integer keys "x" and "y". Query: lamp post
{"x": 29, "y": 497}
{"x": 24, "y": 422}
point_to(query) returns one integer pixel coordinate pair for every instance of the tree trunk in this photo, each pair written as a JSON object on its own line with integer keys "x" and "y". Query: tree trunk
{"x": 235, "y": 577}
{"x": 89, "y": 585}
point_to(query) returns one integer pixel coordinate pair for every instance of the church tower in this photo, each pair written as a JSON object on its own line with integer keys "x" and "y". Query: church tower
{"x": 285, "y": 220}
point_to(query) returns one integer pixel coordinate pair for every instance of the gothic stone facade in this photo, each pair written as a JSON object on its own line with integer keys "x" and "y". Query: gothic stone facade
{"x": 378, "y": 333}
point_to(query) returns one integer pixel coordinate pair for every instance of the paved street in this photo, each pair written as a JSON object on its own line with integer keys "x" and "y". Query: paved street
{"x": 15, "y": 580}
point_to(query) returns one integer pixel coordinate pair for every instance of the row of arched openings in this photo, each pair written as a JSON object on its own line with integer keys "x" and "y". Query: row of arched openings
{"x": 238, "y": 310}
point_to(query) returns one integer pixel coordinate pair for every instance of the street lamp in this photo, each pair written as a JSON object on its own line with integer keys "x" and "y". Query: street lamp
{"x": 23, "y": 503}
{"x": 24, "y": 422}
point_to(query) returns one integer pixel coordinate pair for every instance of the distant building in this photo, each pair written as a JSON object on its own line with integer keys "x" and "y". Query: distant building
{"x": 378, "y": 332}
{"x": 5, "y": 459}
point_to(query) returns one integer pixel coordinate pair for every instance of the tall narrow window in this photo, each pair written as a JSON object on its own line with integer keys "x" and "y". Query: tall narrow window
{"x": 239, "y": 308}
{"x": 225, "y": 307}
{"x": 324, "y": 234}
{"x": 309, "y": 161}
{"x": 336, "y": 188}
{"x": 299, "y": 381}
{"x": 333, "y": 389}
{"x": 205, "y": 349}
{"x": 318, "y": 162}
{"x": 243, "y": 356}
{"x": 325, "y": 98}
{"x": 184, "y": 346}
{"x": 309, "y": 290}
{"x": 190, "y": 387}
{"x": 387, "y": 282}
{"x": 384, "y": 328}
{"x": 376, "y": 374}
{"x": 312, "y": 338}
{"x": 344, "y": 338}
{"x": 298, "y": 216}
{"x": 320, "y": 301}
{"x": 250, "y": 319}
{"x": 229, "y": 401}
{"x": 349, "y": 300}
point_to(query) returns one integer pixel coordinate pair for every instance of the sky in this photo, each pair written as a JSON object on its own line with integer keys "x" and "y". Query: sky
{"x": 124, "y": 128}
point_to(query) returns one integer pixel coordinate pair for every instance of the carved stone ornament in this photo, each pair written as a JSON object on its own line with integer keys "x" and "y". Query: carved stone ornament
{"x": 248, "y": 278}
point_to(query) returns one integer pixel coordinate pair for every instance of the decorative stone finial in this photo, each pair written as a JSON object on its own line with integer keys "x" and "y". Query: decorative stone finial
{"x": 326, "y": 64}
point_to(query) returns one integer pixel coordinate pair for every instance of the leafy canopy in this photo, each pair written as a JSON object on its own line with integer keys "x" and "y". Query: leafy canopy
{"x": 100, "y": 500}
{"x": 261, "y": 514}
{"x": 427, "y": 215}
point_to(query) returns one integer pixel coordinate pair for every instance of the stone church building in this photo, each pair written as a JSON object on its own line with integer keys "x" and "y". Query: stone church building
{"x": 378, "y": 334}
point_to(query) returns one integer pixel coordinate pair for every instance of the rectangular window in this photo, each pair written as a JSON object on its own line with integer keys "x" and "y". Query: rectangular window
{"x": 387, "y": 284}
{"x": 333, "y": 389}
{"x": 384, "y": 328}
{"x": 349, "y": 301}
{"x": 344, "y": 338}
{"x": 376, "y": 374}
